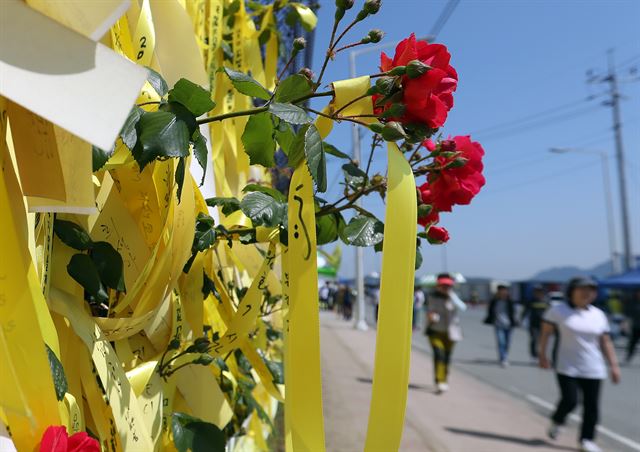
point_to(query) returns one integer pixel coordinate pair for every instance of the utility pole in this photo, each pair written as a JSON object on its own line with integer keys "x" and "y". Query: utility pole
{"x": 614, "y": 102}
{"x": 628, "y": 263}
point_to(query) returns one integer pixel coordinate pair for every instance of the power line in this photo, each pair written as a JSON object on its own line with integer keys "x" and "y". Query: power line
{"x": 532, "y": 116}
{"x": 542, "y": 178}
{"x": 446, "y": 13}
{"x": 543, "y": 122}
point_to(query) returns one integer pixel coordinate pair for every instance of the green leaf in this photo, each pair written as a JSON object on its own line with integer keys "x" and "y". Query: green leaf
{"x": 327, "y": 228}
{"x": 289, "y": 113}
{"x": 229, "y": 205}
{"x": 268, "y": 190}
{"x": 296, "y": 149}
{"x": 315, "y": 157}
{"x": 72, "y": 234}
{"x": 201, "y": 152}
{"x": 262, "y": 209}
{"x": 363, "y": 230}
{"x": 180, "y": 170}
{"x": 99, "y": 157}
{"x": 277, "y": 370}
{"x": 57, "y": 372}
{"x": 194, "y": 97}
{"x": 293, "y": 87}
{"x": 306, "y": 15}
{"x": 82, "y": 269}
{"x": 284, "y": 136}
{"x": 109, "y": 264}
{"x": 418, "y": 258}
{"x": 258, "y": 141}
{"x": 354, "y": 176}
{"x": 331, "y": 149}
{"x": 128, "y": 132}
{"x": 160, "y": 134}
{"x": 190, "y": 433}
{"x": 157, "y": 82}
{"x": 205, "y": 234}
{"x": 246, "y": 84}
{"x": 183, "y": 114}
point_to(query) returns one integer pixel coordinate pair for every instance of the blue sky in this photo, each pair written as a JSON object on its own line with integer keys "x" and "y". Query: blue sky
{"x": 516, "y": 59}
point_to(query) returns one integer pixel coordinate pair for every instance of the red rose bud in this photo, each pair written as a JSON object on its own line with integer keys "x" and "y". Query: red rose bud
{"x": 376, "y": 127}
{"x": 393, "y": 131}
{"x": 448, "y": 146}
{"x": 308, "y": 73}
{"x": 437, "y": 235}
{"x": 429, "y": 144}
{"x": 416, "y": 68}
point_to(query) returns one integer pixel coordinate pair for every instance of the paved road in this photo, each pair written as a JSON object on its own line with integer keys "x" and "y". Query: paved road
{"x": 476, "y": 355}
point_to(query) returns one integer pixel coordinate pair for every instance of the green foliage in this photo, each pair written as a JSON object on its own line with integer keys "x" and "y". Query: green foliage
{"x": 314, "y": 154}
{"x": 57, "y": 373}
{"x": 195, "y": 98}
{"x": 180, "y": 171}
{"x": 332, "y": 150}
{"x": 263, "y": 210}
{"x": 293, "y": 87}
{"x": 82, "y": 269}
{"x": 101, "y": 268}
{"x": 128, "y": 133}
{"x": 160, "y": 134}
{"x": 191, "y": 433}
{"x": 246, "y": 84}
{"x": 229, "y": 205}
{"x": 157, "y": 82}
{"x": 328, "y": 227}
{"x": 354, "y": 177}
{"x": 99, "y": 157}
{"x": 72, "y": 235}
{"x": 109, "y": 264}
{"x": 289, "y": 113}
{"x": 268, "y": 190}
{"x": 258, "y": 140}
{"x": 363, "y": 230}
{"x": 200, "y": 151}
{"x": 285, "y": 135}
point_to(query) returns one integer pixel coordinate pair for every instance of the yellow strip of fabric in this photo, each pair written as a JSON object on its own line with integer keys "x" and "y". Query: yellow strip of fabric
{"x": 144, "y": 39}
{"x": 304, "y": 384}
{"x": 125, "y": 408}
{"x": 271, "y": 49}
{"x": 29, "y": 403}
{"x": 393, "y": 339}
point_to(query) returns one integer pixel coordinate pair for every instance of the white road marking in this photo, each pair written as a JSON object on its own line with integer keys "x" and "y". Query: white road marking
{"x": 605, "y": 431}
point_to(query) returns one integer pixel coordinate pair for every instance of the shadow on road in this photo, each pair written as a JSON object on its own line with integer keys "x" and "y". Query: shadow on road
{"x": 531, "y": 442}
{"x": 495, "y": 363}
{"x": 411, "y": 385}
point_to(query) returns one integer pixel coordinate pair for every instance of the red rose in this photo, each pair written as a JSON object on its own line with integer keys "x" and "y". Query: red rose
{"x": 437, "y": 235}
{"x": 457, "y": 184}
{"x": 429, "y": 144}
{"x": 56, "y": 439}
{"x": 429, "y": 97}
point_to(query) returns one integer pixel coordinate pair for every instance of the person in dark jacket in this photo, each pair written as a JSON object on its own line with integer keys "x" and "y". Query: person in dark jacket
{"x": 534, "y": 309}
{"x": 501, "y": 314}
{"x": 633, "y": 314}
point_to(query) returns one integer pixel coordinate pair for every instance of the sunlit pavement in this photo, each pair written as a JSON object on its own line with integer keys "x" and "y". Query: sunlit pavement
{"x": 484, "y": 411}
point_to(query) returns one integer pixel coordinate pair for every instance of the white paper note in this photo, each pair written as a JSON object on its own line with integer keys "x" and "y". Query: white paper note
{"x": 79, "y": 85}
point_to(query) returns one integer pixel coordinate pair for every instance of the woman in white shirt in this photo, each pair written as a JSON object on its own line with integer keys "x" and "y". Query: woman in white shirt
{"x": 583, "y": 345}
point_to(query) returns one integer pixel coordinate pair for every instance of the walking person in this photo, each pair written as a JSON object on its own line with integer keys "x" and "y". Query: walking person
{"x": 534, "y": 310}
{"x": 501, "y": 314}
{"x": 442, "y": 328}
{"x": 633, "y": 317}
{"x": 418, "y": 303}
{"x": 583, "y": 346}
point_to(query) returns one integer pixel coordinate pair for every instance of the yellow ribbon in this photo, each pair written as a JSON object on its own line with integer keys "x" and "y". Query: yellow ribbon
{"x": 393, "y": 338}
